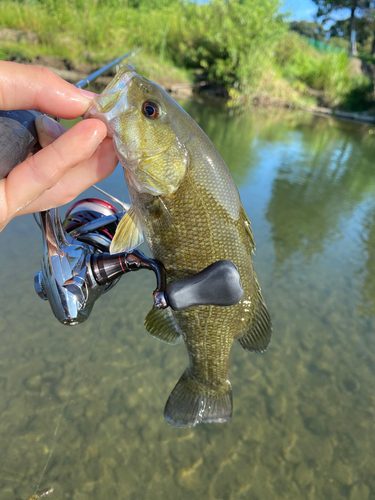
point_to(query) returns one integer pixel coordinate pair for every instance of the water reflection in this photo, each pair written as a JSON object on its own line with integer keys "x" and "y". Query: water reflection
{"x": 318, "y": 190}
{"x": 368, "y": 269}
{"x": 232, "y": 132}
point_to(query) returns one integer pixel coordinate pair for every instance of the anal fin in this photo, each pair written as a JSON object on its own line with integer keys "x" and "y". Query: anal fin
{"x": 162, "y": 325}
{"x": 129, "y": 233}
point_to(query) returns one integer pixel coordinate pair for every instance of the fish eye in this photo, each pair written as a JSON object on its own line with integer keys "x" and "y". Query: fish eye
{"x": 151, "y": 109}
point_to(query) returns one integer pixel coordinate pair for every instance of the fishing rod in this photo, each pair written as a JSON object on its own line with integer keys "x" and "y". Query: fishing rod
{"x": 91, "y": 78}
{"x": 76, "y": 266}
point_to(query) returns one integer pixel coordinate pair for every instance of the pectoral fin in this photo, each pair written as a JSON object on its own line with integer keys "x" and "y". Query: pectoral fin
{"x": 257, "y": 335}
{"x": 162, "y": 325}
{"x": 128, "y": 234}
{"x": 161, "y": 216}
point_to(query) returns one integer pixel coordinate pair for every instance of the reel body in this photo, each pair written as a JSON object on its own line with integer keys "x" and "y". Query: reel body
{"x": 76, "y": 268}
{"x": 65, "y": 278}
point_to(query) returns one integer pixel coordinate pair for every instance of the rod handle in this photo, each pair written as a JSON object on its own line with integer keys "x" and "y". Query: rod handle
{"x": 18, "y": 138}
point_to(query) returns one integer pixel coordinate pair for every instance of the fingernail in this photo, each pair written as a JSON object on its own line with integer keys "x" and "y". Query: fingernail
{"x": 88, "y": 94}
{"x": 49, "y": 127}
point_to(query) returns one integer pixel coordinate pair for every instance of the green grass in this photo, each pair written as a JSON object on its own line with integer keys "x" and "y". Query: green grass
{"x": 157, "y": 69}
{"x": 366, "y": 57}
{"x": 327, "y": 73}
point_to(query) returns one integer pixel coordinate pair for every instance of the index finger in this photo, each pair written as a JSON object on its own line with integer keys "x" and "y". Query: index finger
{"x": 36, "y": 87}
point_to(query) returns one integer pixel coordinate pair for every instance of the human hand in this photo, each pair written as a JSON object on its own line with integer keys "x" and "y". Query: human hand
{"x": 70, "y": 161}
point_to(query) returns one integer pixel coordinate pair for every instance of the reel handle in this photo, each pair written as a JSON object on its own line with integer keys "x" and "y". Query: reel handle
{"x": 217, "y": 285}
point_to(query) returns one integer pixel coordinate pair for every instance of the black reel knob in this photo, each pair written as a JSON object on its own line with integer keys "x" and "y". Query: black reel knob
{"x": 217, "y": 285}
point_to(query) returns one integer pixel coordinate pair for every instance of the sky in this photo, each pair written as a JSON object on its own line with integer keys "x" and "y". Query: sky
{"x": 300, "y": 9}
{"x": 306, "y": 10}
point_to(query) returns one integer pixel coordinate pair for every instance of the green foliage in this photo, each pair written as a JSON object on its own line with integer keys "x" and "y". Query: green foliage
{"x": 227, "y": 40}
{"x": 366, "y": 57}
{"x": 309, "y": 29}
{"x": 325, "y": 72}
{"x": 340, "y": 43}
{"x": 360, "y": 94}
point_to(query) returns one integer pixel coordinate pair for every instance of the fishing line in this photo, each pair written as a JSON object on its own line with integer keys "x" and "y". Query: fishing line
{"x": 71, "y": 395}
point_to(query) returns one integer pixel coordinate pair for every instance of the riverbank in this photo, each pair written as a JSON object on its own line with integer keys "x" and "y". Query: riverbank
{"x": 343, "y": 115}
{"x": 169, "y": 78}
{"x": 180, "y": 84}
{"x": 163, "y": 73}
{"x": 243, "y": 46}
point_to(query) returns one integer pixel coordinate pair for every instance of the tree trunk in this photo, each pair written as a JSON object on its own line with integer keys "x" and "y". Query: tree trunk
{"x": 373, "y": 45}
{"x": 353, "y": 46}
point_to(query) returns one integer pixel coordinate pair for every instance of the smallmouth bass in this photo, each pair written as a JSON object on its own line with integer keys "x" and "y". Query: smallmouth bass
{"x": 186, "y": 204}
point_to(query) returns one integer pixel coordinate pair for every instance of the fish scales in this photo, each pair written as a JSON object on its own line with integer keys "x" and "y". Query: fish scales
{"x": 191, "y": 214}
{"x": 205, "y": 235}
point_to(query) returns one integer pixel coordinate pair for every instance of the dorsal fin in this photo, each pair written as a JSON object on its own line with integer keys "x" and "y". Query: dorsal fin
{"x": 258, "y": 334}
{"x": 247, "y": 224}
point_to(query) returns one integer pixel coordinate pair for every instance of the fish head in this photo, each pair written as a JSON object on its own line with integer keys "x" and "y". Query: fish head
{"x": 143, "y": 121}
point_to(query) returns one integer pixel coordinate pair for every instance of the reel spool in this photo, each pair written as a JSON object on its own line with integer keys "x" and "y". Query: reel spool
{"x": 88, "y": 210}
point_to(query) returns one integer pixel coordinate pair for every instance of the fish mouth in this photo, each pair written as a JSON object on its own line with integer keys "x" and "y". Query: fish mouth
{"x": 113, "y": 101}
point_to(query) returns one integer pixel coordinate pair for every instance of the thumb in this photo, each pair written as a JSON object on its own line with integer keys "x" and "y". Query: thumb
{"x": 48, "y": 130}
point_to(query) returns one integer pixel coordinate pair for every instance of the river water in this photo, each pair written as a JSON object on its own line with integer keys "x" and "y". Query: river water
{"x": 81, "y": 408}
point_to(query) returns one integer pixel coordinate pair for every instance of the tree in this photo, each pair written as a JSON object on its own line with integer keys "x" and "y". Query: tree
{"x": 356, "y": 7}
{"x": 369, "y": 15}
{"x": 364, "y": 24}
{"x": 310, "y": 29}
{"x": 364, "y": 30}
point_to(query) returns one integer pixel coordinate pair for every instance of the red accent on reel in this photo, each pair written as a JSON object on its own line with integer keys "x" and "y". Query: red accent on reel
{"x": 87, "y": 210}
{"x": 103, "y": 206}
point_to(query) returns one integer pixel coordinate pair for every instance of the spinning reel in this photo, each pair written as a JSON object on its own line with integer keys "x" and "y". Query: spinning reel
{"x": 77, "y": 268}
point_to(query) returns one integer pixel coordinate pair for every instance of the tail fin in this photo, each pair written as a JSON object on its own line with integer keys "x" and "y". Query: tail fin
{"x": 192, "y": 403}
